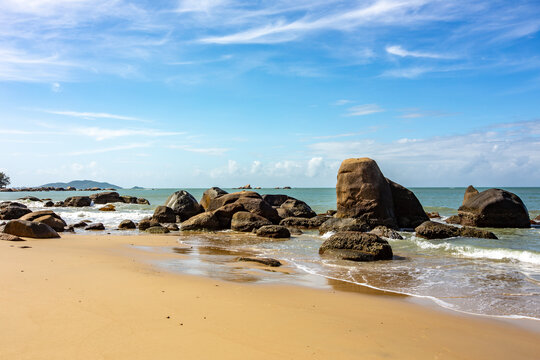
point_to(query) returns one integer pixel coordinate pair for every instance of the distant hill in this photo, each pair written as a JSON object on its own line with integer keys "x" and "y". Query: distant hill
{"x": 137, "y": 188}
{"x": 83, "y": 184}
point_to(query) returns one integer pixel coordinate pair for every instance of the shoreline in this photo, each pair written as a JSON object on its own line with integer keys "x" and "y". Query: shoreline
{"x": 92, "y": 297}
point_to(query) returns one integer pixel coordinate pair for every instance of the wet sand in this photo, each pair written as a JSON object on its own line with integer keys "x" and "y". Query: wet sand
{"x": 98, "y": 297}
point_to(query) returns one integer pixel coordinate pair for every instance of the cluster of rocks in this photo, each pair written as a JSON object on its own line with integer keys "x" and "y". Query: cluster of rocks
{"x": 51, "y": 188}
{"x": 101, "y": 198}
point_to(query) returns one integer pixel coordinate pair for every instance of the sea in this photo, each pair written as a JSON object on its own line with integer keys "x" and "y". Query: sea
{"x": 498, "y": 278}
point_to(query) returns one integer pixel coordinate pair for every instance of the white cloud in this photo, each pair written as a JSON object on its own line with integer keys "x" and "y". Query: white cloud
{"x": 208, "y": 151}
{"x": 92, "y": 115}
{"x": 255, "y": 167}
{"x": 56, "y": 87}
{"x": 361, "y": 110}
{"x": 100, "y": 134}
{"x": 313, "y": 166}
{"x": 105, "y": 150}
{"x": 342, "y": 102}
{"x": 399, "y": 51}
{"x": 408, "y": 73}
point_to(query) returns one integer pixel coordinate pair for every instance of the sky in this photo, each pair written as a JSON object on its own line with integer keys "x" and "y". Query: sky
{"x": 224, "y": 93}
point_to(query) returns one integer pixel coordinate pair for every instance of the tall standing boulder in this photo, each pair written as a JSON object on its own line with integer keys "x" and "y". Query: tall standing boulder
{"x": 210, "y": 194}
{"x": 494, "y": 208}
{"x": 469, "y": 193}
{"x": 363, "y": 192}
{"x": 184, "y": 205}
{"x": 408, "y": 211}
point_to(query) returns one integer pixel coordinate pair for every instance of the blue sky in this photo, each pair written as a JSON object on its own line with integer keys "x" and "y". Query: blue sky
{"x": 272, "y": 93}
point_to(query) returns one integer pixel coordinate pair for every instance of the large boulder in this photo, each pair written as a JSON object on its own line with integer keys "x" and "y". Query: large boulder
{"x": 225, "y": 213}
{"x": 203, "y": 221}
{"x": 363, "y": 192}
{"x": 30, "y": 229}
{"x": 297, "y": 208}
{"x": 78, "y": 201}
{"x": 274, "y": 231}
{"x": 222, "y": 200}
{"x": 259, "y": 207}
{"x": 210, "y": 194}
{"x": 106, "y": 197}
{"x": 347, "y": 224}
{"x": 469, "y": 193}
{"x": 275, "y": 199}
{"x": 356, "y": 246}
{"x": 127, "y": 225}
{"x": 494, "y": 208}
{"x": 408, "y": 211}
{"x": 13, "y": 210}
{"x": 247, "y": 221}
{"x": 164, "y": 214}
{"x": 48, "y": 217}
{"x": 184, "y": 205}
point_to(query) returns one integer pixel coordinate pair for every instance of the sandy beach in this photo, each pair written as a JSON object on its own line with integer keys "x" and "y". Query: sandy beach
{"x": 97, "y": 297}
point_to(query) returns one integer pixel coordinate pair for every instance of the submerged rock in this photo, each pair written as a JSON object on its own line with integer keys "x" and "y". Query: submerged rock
{"x": 356, "y": 246}
{"x": 386, "y": 232}
{"x": 435, "y": 230}
{"x": 265, "y": 261}
{"x": 274, "y": 231}
{"x": 343, "y": 224}
{"x": 109, "y": 207}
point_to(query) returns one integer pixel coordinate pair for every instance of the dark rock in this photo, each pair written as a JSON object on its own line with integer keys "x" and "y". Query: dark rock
{"x": 77, "y": 201}
{"x": 454, "y": 219}
{"x": 59, "y": 204}
{"x": 467, "y": 231}
{"x": 298, "y": 208}
{"x": 157, "y": 230}
{"x": 49, "y": 204}
{"x": 146, "y": 223}
{"x": 210, "y": 194}
{"x": 108, "y": 207}
{"x": 223, "y": 200}
{"x": 265, "y": 261}
{"x": 296, "y": 222}
{"x": 126, "y": 199}
{"x": 386, "y": 232}
{"x": 142, "y": 201}
{"x": 318, "y": 220}
{"x": 95, "y": 227}
{"x": 408, "y": 211}
{"x": 274, "y": 231}
{"x": 433, "y": 215}
{"x": 494, "y": 208}
{"x": 225, "y": 213}
{"x": 295, "y": 231}
{"x": 172, "y": 227}
{"x": 331, "y": 212}
{"x": 106, "y": 197}
{"x": 9, "y": 237}
{"x": 470, "y": 192}
{"x": 164, "y": 214}
{"x": 259, "y": 207}
{"x": 13, "y": 210}
{"x": 30, "y": 198}
{"x": 184, "y": 205}
{"x": 356, "y": 246}
{"x": 203, "y": 221}
{"x": 275, "y": 199}
{"x": 30, "y": 229}
{"x": 363, "y": 193}
{"x": 80, "y": 224}
{"x": 127, "y": 225}
{"x": 48, "y": 217}
{"x": 343, "y": 224}
{"x": 435, "y": 230}
{"x": 247, "y": 221}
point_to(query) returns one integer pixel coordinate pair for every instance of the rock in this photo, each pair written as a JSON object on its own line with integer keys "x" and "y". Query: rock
{"x": 275, "y": 199}
{"x": 282, "y": 213}
{"x": 157, "y": 230}
{"x": 248, "y": 186}
{"x": 223, "y": 200}
{"x": 77, "y": 201}
{"x": 9, "y": 237}
{"x": 106, "y": 197}
{"x": 363, "y": 193}
{"x": 146, "y": 223}
{"x": 470, "y": 192}
{"x": 435, "y": 230}
{"x": 537, "y": 218}
{"x": 30, "y": 198}
{"x": 49, "y": 204}
{"x": 80, "y": 224}
{"x": 30, "y": 229}
{"x": 297, "y": 208}
{"x": 59, "y": 204}
{"x": 331, "y": 212}
{"x": 184, "y": 205}
{"x": 210, "y": 194}
{"x": 346, "y": 224}
{"x": 408, "y": 211}
{"x": 433, "y": 215}
{"x": 164, "y": 214}
{"x": 274, "y": 231}
{"x": 494, "y": 208}
{"x": 142, "y": 201}
{"x": 357, "y": 246}
{"x": 467, "y": 231}
{"x": 265, "y": 261}
{"x": 259, "y": 207}
{"x": 172, "y": 227}
{"x": 247, "y": 221}
{"x": 318, "y": 220}
{"x": 286, "y": 188}
{"x": 108, "y": 207}
{"x": 296, "y": 222}
{"x": 55, "y": 222}
{"x": 203, "y": 221}
{"x": 95, "y": 227}
{"x": 295, "y": 231}
{"x": 386, "y": 232}
{"x": 126, "y": 199}
{"x": 454, "y": 219}
{"x": 13, "y": 210}
{"x": 225, "y": 213}
{"x": 127, "y": 225}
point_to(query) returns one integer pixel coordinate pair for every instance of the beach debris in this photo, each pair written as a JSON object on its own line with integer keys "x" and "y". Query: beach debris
{"x": 274, "y": 231}
{"x": 210, "y": 194}
{"x": 184, "y": 205}
{"x": 494, "y": 208}
{"x": 265, "y": 261}
{"x": 246, "y": 221}
{"x": 9, "y": 237}
{"x": 386, "y": 232}
{"x": 436, "y": 230}
{"x": 30, "y": 229}
{"x": 12, "y": 210}
{"x": 127, "y": 225}
{"x": 95, "y": 227}
{"x": 356, "y": 246}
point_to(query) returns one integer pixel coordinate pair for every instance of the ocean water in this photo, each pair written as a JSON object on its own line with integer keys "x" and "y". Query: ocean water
{"x": 480, "y": 276}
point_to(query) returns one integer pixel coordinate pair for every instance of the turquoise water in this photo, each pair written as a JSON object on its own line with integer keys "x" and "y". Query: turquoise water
{"x": 491, "y": 277}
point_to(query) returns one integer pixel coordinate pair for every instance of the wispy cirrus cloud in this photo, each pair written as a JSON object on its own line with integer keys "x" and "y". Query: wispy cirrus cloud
{"x": 213, "y": 151}
{"x": 399, "y": 51}
{"x": 93, "y": 115}
{"x": 362, "y": 110}
{"x": 106, "y": 149}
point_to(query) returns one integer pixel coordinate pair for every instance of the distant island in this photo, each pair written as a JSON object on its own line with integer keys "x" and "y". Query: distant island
{"x": 137, "y": 188}
{"x": 83, "y": 184}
